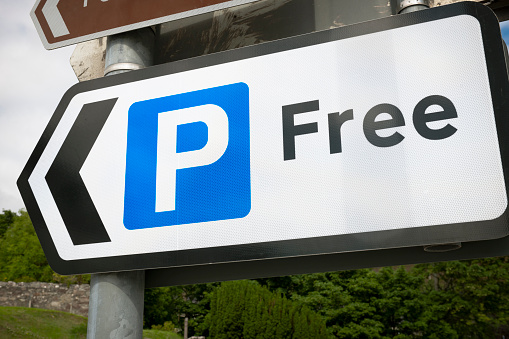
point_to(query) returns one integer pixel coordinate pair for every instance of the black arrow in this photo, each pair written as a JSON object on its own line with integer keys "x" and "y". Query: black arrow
{"x": 64, "y": 180}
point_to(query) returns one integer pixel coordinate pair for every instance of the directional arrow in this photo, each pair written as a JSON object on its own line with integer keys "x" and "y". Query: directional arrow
{"x": 65, "y": 183}
{"x": 66, "y": 22}
{"x": 54, "y": 18}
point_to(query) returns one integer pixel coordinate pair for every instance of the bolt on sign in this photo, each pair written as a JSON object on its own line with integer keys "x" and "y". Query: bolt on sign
{"x": 335, "y": 141}
{"x": 66, "y": 22}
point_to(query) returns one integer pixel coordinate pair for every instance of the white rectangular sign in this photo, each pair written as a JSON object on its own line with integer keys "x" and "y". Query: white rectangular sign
{"x": 330, "y": 142}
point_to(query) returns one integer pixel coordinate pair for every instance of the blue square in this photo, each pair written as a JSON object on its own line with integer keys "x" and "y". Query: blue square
{"x": 217, "y": 191}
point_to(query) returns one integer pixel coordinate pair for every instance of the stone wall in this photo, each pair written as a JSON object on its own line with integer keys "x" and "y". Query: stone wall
{"x": 60, "y": 297}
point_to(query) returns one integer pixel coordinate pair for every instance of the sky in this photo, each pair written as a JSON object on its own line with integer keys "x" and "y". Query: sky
{"x": 32, "y": 82}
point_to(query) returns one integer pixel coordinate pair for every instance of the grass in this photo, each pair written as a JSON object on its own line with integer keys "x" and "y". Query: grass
{"x": 34, "y": 323}
{"x": 21, "y": 323}
{"x": 155, "y": 334}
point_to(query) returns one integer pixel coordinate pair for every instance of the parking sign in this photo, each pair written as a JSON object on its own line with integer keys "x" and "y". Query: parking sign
{"x": 329, "y": 142}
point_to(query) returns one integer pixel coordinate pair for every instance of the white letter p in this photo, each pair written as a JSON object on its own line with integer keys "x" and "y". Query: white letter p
{"x": 169, "y": 161}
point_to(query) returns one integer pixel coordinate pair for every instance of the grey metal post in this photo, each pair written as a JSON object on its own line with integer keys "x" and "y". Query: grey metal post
{"x": 116, "y": 299}
{"x": 116, "y": 305}
{"x": 129, "y": 51}
{"x": 407, "y": 6}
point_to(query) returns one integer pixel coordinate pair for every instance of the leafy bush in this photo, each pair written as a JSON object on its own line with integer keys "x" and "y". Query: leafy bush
{"x": 21, "y": 256}
{"x": 167, "y": 326}
{"x": 244, "y": 309}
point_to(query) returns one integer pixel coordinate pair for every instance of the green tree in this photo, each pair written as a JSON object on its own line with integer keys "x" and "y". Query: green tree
{"x": 244, "y": 309}
{"x": 21, "y": 255}
{"x": 6, "y": 219}
{"x": 175, "y": 303}
{"x": 401, "y": 304}
{"x": 458, "y": 299}
{"x": 466, "y": 299}
{"x": 361, "y": 303}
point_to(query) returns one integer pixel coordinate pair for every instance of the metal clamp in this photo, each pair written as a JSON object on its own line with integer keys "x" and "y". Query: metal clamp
{"x": 408, "y": 3}
{"x": 439, "y": 248}
{"x": 122, "y": 66}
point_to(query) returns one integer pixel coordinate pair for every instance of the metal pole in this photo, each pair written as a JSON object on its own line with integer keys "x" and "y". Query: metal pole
{"x": 407, "y": 6}
{"x": 116, "y": 299}
{"x": 129, "y": 51}
{"x": 116, "y": 305}
{"x": 186, "y": 324}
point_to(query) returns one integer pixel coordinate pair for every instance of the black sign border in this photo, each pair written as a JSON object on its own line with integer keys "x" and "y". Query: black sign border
{"x": 301, "y": 248}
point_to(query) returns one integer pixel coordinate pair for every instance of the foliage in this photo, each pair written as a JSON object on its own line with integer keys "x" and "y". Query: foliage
{"x": 167, "y": 326}
{"x": 156, "y": 334}
{"x": 71, "y": 279}
{"x": 176, "y": 303}
{"x": 6, "y": 219}
{"x": 21, "y": 322}
{"x": 21, "y": 255}
{"x": 362, "y": 303}
{"x": 459, "y": 299}
{"x": 468, "y": 298}
{"x": 244, "y": 309}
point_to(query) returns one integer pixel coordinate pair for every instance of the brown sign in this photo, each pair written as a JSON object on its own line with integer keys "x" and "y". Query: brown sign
{"x": 66, "y": 22}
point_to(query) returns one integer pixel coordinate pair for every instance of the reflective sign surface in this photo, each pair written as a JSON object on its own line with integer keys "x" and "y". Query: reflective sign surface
{"x": 328, "y": 142}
